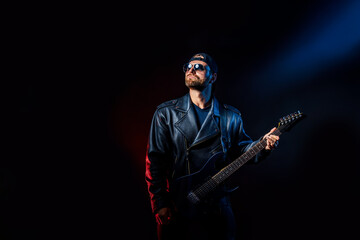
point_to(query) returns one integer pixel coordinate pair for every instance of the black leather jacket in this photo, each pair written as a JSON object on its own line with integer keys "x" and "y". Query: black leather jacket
{"x": 177, "y": 148}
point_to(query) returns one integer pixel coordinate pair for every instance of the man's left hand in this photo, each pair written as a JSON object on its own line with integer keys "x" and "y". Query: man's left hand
{"x": 271, "y": 140}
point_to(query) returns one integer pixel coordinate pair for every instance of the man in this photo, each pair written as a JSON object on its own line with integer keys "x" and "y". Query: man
{"x": 184, "y": 134}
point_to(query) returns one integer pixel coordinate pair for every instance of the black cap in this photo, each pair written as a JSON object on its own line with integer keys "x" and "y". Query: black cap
{"x": 207, "y": 59}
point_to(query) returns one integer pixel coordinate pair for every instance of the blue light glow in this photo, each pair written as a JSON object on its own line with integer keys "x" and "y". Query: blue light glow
{"x": 320, "y": 46}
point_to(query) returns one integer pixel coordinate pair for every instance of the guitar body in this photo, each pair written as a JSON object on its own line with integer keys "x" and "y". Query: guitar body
{"x": 183, "y": 186}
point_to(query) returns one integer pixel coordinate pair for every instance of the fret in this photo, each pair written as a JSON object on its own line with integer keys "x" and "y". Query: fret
{"x": 243, "y": 160}
{"x": 251, "y": 150}
{"x": 258, "y": 149}
{"x": 234, "y": 166}
{"x": 199, "y": 193}
{"x": 229, "y": 170}
{"x": 263, "y": 143}
{"x": 238, "y": 163}
{"x": 212, "y": 183}
{"x": 205, "y": 188}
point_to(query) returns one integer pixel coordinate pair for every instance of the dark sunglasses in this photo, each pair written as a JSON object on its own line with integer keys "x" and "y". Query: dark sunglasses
{"x": 197, "y": 67}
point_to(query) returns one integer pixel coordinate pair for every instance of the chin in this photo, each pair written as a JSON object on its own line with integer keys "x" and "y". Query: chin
{"x": 193, "y": 83}
{"x": 195, "y": 87}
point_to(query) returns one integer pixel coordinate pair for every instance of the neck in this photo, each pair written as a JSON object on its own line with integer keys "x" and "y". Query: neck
{"x": 201, "y": 98}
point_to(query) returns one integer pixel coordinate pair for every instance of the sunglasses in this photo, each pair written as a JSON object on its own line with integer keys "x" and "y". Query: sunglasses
{"x": 197, "y": 67}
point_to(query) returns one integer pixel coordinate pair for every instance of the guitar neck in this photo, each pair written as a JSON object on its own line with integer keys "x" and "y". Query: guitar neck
{"x": 227, "y": 171}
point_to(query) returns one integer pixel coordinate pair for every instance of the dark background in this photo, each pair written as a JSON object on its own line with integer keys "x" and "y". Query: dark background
{"x": 85, "y": 81}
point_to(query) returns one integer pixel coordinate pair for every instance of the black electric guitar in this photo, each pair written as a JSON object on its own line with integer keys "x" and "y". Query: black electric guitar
{"x": 198, "y": 187}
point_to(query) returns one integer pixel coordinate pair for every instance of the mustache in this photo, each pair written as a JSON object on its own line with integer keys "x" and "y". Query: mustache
{"x": 190, "y": 74}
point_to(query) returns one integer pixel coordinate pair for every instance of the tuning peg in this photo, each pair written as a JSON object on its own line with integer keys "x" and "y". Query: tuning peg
{"x": 285, "y": 121}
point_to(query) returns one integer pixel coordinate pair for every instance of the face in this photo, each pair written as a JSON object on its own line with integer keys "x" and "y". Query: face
{"x": 198, "y": 79}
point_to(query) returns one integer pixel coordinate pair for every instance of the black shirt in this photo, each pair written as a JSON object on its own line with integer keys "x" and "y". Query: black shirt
{"x": 201, "y": 115}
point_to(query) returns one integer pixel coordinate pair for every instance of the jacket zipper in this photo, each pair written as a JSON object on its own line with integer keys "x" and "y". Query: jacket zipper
{"x": 187, "y": 155}
{"x": 188, "y": 149}
{"x": 202, "y": 141}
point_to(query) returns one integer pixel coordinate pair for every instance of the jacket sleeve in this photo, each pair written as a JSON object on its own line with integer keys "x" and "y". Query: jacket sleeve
{"x": 243, "y": 143}
{"x": 157, "y": 159}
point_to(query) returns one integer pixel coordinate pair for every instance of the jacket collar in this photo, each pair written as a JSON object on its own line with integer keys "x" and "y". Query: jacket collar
{"x": 184, "y": 104}
{"x": 187, "y": 123}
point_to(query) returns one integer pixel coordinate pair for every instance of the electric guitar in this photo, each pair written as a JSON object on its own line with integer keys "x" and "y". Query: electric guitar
{"x": 197, "y": 188}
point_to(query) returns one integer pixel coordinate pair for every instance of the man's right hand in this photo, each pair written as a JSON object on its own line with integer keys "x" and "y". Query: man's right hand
{"x": 163, "y": 216}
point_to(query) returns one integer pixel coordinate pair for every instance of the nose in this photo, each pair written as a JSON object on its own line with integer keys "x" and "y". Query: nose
{"x": 192, "y": 69}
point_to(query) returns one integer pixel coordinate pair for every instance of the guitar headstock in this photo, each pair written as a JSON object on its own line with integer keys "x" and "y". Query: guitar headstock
{"x": 289, "y": 121}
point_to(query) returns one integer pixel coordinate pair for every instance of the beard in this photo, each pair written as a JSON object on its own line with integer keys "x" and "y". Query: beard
{"x": 193, "y": 81}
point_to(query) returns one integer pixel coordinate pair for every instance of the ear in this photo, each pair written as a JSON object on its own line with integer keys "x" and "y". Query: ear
{"x": 213, "y": 78}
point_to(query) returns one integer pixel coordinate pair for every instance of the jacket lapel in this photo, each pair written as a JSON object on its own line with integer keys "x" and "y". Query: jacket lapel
{"x": 187, "y": 123}
{"x": 210, "y": 126}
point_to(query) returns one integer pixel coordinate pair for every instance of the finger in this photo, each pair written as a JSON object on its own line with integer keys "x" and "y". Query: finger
{"x": 164, "y": 220}
{"x": 270, "y": 139}
{"x": 274, "y": 138}
{"x": 266, "y": 136}
{"x": 158, "y": 219}
{"x": 270, "y": 145}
